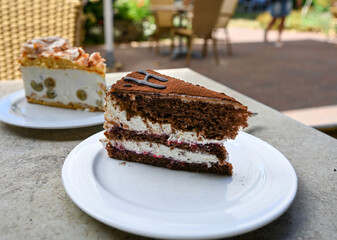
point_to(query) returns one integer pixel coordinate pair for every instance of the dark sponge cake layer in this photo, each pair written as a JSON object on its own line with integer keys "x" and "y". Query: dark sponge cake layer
{"x": 117, "y": 133}
{"x": 216, "y": 168}
{"x": 212, "y": 120}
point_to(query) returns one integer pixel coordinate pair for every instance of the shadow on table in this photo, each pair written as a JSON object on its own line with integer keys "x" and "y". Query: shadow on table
{"x": 55, "y": 134}
{"x": 254, "y": 130}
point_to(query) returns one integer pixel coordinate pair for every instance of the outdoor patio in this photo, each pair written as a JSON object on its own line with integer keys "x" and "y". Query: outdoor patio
{"x": 89, "y": 152}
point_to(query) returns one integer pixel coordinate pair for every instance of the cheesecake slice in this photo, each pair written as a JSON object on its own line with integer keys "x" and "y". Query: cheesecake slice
{"x": 56, "y": 74}
{"x": 163, "y": 121}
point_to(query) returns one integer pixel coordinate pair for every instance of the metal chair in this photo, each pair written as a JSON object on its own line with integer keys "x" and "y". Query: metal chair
{"x": 22, "y": 20}
{"x": 226, "y": 12}
{"x": 205, "y": 15}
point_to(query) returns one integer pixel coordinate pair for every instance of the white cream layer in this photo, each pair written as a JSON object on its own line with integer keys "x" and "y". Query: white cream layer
{"x": 137, "y": 123}
{"x": 68, "y": 81}
{"x": 160, "y": 150}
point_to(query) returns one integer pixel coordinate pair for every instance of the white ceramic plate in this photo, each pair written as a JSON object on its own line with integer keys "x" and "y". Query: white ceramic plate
{"x": 163, "y": 203}
{"x": 15, "y": 110}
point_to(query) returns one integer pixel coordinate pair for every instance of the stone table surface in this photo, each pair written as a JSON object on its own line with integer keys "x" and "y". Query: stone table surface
{"x": 34, "y": 204}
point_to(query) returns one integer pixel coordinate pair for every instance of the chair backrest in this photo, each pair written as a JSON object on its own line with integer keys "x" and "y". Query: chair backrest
{"x": 226, "y": 12}
{"x": 163, "y": 18}
{"x": 23, "y": 20}
{"x": 205, "y": 16}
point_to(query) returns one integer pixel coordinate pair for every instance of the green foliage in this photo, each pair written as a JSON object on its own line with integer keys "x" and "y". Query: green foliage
{"x": 316, "y": 21}
{"x": 313, "y": 21}
{"x": 321, "y": 5}
{"x": 134, "y": 10}
{"x": 93, "y": 12}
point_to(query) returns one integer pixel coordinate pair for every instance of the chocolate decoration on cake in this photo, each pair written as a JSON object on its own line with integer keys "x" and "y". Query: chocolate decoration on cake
{"x": 146, "y": 78}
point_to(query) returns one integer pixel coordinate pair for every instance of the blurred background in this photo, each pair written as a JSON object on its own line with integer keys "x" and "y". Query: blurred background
{"x": 225, "y": 40}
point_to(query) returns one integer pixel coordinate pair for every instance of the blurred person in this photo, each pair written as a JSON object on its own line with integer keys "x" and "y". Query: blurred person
{"x": 278, "y": 9}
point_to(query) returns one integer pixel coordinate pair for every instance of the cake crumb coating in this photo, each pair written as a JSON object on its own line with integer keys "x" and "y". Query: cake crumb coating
{"x": 56, "y": 52}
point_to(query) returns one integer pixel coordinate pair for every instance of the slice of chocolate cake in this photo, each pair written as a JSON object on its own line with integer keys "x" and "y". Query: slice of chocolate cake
{"x": 163, "y": 121}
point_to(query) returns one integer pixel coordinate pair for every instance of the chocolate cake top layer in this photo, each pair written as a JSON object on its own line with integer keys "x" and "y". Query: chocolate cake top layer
{"x": 171, "y": 86}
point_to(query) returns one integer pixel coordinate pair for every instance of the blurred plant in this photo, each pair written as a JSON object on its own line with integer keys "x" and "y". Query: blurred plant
{"x": 133, "y": 10}
{"x": 321, "y": 5}
{"x": 138, "y": 15}
{"x": 313, "y": 21}
{"x": 132, "y": 20}
{"x": 93, "y": 13}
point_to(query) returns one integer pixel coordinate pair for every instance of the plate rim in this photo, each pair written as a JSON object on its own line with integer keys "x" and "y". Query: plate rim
{"x": 113, "y": 222}
{"x": 71, "y": 124}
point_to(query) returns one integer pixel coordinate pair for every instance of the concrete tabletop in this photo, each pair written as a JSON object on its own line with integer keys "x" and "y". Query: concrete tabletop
{"x": 34, "y": 204}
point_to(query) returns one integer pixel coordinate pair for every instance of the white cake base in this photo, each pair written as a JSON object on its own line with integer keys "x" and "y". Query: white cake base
{"x": 67, "y": 84}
